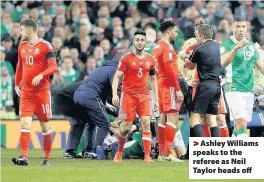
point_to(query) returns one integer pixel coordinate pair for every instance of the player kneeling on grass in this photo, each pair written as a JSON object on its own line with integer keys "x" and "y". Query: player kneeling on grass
{"x": 135, "y": 67}
{"x": 36, "y": 62}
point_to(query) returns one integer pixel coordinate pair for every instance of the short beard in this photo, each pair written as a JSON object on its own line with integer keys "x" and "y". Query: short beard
{"x": 139, "y": 50}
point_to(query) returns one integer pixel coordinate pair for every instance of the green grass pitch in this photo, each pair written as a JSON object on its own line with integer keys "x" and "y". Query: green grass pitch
{"x": 75, "y": 170}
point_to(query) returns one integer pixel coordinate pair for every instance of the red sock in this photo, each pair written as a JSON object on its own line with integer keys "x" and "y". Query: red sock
{"x": 146, "y": 138}
{"x": 161, "y": 138}
{"x": 206, "y": 130}
{"x": 47, "y": 143}
{"x": 170, "y": 131}
{"x": 224, "y": 132}
{"x": 121, "y": 143}
{"x": 24, "y": 142}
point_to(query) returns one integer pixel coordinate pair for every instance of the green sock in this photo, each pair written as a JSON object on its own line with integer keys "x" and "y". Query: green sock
{"x": 241, "y": 131}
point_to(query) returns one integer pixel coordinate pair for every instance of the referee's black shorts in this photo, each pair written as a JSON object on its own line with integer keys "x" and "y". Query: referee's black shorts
{"x": 207, "y": 97}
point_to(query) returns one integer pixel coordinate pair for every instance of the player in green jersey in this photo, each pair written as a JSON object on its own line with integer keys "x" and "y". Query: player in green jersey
{"x": 239, "y": 56}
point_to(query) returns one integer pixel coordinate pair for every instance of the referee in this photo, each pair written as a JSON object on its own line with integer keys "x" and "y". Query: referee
{"x": 206, "y": 57}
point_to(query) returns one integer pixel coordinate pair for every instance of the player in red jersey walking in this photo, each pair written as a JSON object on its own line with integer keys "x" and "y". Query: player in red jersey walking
{"x": 170, "y": 95}
{"x": 135, "y": 67}
{"x": 36, "y": 62}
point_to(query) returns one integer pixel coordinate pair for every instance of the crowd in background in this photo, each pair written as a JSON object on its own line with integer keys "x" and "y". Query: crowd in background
{"x": 85, "y": 34}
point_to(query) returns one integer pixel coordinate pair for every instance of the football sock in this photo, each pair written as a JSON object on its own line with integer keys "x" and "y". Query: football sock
{"x": 146, "y": 138}
{"x": 121, "y": 143}
{"x": 47, "y": 143}
{"x": 161, "y": 138}
{"x": 170, "y": 131}
{"x": 198, "y": 131}
{"x": 24, "y": 142}
{"x": 206, "y": 130}
{"x": 214, "y": 131}
{"x": 223, "y": 131}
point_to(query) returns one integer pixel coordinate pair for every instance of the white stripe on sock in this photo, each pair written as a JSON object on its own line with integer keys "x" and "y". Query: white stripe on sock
{"x": 172, "y": 125}
{"x": 47, "y": 133}
{"x": 146, "y": 138}
{"x": 161, "y": 125}
{"x": 25, "y": 131}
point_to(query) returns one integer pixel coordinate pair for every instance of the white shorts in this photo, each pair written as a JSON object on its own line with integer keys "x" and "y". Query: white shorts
{"x": 240, "y": 105}
{"x": 178, "y": 140}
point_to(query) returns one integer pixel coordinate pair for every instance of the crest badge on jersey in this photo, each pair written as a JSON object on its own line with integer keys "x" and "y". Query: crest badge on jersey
{"x": 36, "y": 51}
{"x": 148, "y": 64}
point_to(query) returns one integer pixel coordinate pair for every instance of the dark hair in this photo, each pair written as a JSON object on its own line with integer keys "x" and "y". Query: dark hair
{"x": 166, "y": 25}
{"x": 140, "y": 32}
{"x": 67, "y": 57}
{"x": 29, "y": 23}
{"x": 206, "y": 30}
{"x": 222, "y": 31}
{"x": 239, "y": 18}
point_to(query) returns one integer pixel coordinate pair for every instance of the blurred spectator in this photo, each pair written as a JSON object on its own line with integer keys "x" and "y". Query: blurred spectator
{"x": 221, "y": 35}
{"x": 130, "y": 27}
{"x": 69, "y": 74}
{"x": 258, "y": 22}
{"x": 104, "y": 12}
{"x": 41, "y": 32}
{"x": 99, "y": 55}
{"x": 47, "y": 24}
{"x": 60, "y": 20}
{"x": 57, "y": 44}
{"x": 10, "y": 51}
{"x": 6, "y": 86}
{"x": 98, "y": 36}
{"x": 77, "y": 63}
{"x": 59, "y": 32}
{"x": 6, "y": 24}
{"x": 118, "y": 33}
{"x": 5, "y": 63}
{"x": 245, "y": 10}
{"x": 15, "y": 34}
{"x": 105, "y": 44}
{"x": 64, "y": 52}
{"x": 56, "y": 83}
{"x": 89, "y": 67}
{"x": 71, "y": 40}
{"x": 224, "y": 25}
{"x": 86, "y": 48}
{"x": 34, "y": 14}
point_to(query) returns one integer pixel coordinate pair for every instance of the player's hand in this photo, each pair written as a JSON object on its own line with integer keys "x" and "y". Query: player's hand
{"x": 179, "y": 95}
{"x": 241, "y": 44}
{"x": 115, "y": 100}
{"x": 110, "y": 107}
{"x": 37, "y": 79}
{"x": 192, "y": 82}
{"x": 17, "y": 89}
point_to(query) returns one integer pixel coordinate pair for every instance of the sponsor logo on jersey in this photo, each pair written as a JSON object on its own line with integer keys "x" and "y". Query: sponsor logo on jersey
{"x": 36, "y": 51}
{"x": 134, "y": 63}
{"x": 23, "y": 50}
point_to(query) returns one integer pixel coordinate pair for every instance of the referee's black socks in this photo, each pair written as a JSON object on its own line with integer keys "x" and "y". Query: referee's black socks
{"x": 198, "y": 130}
{"x": 214, "y": 131}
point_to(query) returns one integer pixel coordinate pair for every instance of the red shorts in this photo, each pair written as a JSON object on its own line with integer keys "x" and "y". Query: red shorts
{"x": 221, "y": 105}
{"x": 167, "y": 100}
{"x": 38, "y": 103}
{"x": 132, "y": 104}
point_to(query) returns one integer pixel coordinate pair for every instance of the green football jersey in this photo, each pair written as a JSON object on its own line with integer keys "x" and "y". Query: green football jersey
{"x": 239, "y": 73}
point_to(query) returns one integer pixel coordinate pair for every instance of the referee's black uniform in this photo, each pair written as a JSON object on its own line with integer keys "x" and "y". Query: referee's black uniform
{"x": 207, "y": 58}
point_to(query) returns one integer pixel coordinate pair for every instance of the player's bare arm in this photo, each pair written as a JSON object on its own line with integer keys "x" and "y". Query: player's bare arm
{"x": 227, "y": 58}
{"x": 18, "y": 76}
{"x": 115, "y": 99}
{"x": 154, "y": 85}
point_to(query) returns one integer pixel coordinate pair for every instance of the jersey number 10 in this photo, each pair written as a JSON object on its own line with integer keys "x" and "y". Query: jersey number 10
{"x": 29, "y": 60}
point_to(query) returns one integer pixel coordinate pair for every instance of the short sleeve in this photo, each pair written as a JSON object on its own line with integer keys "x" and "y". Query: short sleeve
{"x": 152, "y": 70}
{"x": 194, "y": 57}
{"x": 50, "y": 51}
{"x": 122, "y": 66}
{"x": 224, "y": 48}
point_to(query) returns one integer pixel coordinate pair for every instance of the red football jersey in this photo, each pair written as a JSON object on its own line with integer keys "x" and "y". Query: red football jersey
{"x": 136, "y": 72}
{"x": 32, "y": 61}
{"x": 164, "y": 53}
{"x": 188, "y": 53}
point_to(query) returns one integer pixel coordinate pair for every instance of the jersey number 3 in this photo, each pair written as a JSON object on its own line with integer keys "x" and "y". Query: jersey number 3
{"x": 140, "y": 72}
{"x": 29, "y": 60}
